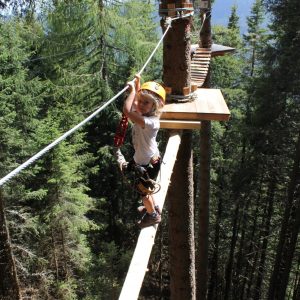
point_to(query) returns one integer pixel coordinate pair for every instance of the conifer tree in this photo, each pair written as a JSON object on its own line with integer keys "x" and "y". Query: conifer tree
{"x": 256, "y": 36}
{"x": 21, "y": 99}
{"x": 233, "y": 22}
{"x": 226, "y": 72}
{"x": 282, "y": 73}
{"x": 91, "y": 50}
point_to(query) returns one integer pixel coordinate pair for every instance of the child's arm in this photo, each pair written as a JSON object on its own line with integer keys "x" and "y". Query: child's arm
{"x": 134, "y": 116}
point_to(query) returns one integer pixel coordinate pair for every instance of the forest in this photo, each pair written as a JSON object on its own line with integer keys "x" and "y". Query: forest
{"x": 68, "y": 222}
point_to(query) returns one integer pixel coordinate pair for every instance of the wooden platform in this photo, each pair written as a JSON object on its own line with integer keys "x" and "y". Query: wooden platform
{"x": 209, "y": 105}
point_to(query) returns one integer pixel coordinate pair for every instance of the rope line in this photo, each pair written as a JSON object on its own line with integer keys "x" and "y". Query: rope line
{"x": 151, "y": 55}
{"x": 68, "y": 133}
{"x": 58, "y": 140}
{"x": 204, "y": 18}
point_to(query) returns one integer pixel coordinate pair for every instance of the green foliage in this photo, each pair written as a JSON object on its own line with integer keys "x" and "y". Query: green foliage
{"x": 110, "y": 265}
{"x": 21, "y": 94}
{"x": 227, "y": 69}
{"x": 63, "y": 211}
{"x": 66, "y": 290}
{"x": 255, "y": 39}
{"x": 71, "y": 216}
{"x": 233, "y": 22}
{"x": 250, "y": 162}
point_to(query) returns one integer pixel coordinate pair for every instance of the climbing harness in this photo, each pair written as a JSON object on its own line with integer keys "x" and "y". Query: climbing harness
{"x": 146, "y": 186}
{"x": 137, "y": 178}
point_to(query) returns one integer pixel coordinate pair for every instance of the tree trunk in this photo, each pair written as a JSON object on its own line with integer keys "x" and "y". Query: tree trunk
{"x": 202, "y": 261}
{"x": 296, "y": 285}
{"x": 247, "y": 280}
{"x": 103, "y": 66}
{"x": 177, "y": 55}
{"x": 288, "y": 234}
{"x": 214, "y": 278}
{"x": 229, "y": 266}
{"x": 265, "y": 236}
{"x": 176, "y": 75}
{"x": 181, "y": 224}
{"x": 54, "y": 255}
{"x": 251, "y": 279}
{"x": 9, "y": 283}
{"x": 66, "y": 274}
{"x": 204, "y": 184}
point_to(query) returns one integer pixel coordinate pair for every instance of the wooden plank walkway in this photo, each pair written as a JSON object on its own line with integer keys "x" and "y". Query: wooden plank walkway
{"x": 138, "y": 266}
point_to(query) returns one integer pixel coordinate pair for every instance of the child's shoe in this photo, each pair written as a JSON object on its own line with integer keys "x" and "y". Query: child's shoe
{"x": 142, "y": 209}
{"x": 149, "y": 220}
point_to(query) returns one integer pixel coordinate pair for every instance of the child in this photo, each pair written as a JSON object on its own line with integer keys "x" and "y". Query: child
{"x": 142, "y": 108}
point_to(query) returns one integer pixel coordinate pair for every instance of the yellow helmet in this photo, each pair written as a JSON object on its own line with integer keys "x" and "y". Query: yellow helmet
{"x": 156, "y": 88}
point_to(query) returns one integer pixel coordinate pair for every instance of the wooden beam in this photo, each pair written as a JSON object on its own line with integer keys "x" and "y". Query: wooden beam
{"x": 139, "y": 262}
{"x": 179, "y": 124}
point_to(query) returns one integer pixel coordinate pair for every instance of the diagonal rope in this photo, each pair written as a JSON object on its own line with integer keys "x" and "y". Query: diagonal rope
{"x": 58, "y": 140}
{"x": 68, "y": 133}
{"x": 151, "y": 55}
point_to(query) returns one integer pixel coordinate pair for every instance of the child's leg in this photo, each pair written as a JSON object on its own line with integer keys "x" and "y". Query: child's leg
{"x": 148, "y": 202}
{"x": 151, "y": 217}
{"x": 142, "y": 209}
{"x": 152, "y": 171}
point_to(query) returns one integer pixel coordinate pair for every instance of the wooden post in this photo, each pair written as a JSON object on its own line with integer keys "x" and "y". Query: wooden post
{"x": 177, "y": 76}
{"x": 181, "y": 224}
{"x": 139, "y": 262}
{"x": 204, "y": 184}
{"x": 176, "y": 55}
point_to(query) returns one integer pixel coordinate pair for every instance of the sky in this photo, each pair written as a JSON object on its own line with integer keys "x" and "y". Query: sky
{"x": 222, "y": 8}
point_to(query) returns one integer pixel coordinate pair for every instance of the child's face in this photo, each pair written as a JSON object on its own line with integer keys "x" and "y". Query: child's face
{"x": 144, "y": 104}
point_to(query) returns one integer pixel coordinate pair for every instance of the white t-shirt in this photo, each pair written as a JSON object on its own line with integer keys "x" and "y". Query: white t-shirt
{"x": 144, "y": 140}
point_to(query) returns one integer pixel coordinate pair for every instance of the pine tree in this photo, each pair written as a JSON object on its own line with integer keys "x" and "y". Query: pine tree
{"x": 256, "y": 36}
{"x": 21, "y": 99}
{"x": 226, "y": 74}
{"x": 282, "y": 73}
{"x": 233, "y": 22}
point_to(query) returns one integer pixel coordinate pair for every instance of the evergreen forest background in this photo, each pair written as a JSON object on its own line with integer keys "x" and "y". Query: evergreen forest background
{"x": 67, "y": 223}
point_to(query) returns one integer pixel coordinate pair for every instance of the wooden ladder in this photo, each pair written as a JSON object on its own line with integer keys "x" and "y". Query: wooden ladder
{"x": 199, "y": 66}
